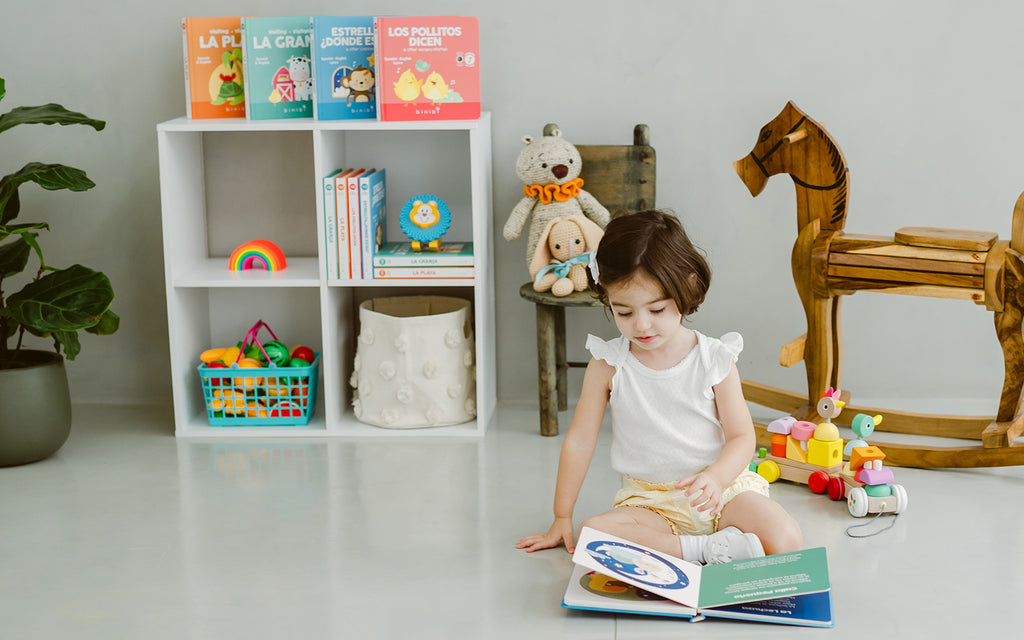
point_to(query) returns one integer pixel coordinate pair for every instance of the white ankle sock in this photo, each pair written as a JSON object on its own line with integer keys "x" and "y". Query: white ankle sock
{"x": 692, "y": 548}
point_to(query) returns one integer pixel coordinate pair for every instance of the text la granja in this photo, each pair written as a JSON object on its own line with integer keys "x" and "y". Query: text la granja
{"x": 284, "y": 41}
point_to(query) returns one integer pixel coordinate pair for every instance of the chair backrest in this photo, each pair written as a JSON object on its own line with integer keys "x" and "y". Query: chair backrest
{"x": 621, "y": 177}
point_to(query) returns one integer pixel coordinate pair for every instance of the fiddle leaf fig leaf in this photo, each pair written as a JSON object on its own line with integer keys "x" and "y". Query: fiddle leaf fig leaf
{"x": 14, "y": 257}
{"x": 47, "y": 114}
{"x": 69, "y": 341}
{"x": 66, "y": 300}
{"x": 109, "y": 323}
{"x": 51, "y": 177}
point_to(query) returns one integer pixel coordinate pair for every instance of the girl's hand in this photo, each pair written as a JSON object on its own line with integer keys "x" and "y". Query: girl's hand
{"x": 559, "y": 533}
{"x": 704, "y": 491}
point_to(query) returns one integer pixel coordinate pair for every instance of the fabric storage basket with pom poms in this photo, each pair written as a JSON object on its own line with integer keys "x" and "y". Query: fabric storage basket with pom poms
{"x": 414, "y": 364}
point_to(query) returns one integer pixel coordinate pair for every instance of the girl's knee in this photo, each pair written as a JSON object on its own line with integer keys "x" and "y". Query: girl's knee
{"x": 784, "y": 536}
{"x": 606, "y": 522}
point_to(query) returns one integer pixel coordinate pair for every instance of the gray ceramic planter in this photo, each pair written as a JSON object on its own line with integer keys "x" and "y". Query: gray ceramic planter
{"x": 35, "y": 409}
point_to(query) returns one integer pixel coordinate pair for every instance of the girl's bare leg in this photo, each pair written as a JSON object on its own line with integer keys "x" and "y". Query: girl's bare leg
{"x": 639, "y": 525}
{"x": 751, "y": 512}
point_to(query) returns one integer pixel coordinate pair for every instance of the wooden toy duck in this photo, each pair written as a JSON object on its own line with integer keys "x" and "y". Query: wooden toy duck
{"x": 863, "y": 425}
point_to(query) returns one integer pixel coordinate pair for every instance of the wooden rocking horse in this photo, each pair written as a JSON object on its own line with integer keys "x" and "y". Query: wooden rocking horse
{"x": 920, "y": 261}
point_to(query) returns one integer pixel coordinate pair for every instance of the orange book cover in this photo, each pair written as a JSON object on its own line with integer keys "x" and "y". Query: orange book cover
{"x": 213, "y": 67}
{"x": 428, "y": 67}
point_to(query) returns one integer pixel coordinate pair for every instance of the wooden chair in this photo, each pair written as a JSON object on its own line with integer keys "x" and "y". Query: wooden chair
{"x": 622, "y": 178}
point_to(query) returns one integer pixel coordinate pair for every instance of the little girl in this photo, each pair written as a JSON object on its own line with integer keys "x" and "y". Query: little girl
{"x": 682, "y": 435}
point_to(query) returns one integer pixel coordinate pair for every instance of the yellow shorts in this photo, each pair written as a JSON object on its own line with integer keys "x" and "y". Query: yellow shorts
{"x": 664, "y": 499}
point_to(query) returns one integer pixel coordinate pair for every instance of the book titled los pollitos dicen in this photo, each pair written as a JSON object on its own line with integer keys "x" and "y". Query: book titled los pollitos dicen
{"x": 428, "y": 67}
{"x": 279, "y": 78}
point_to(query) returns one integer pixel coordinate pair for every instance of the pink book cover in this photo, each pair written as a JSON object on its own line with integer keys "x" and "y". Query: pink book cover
{"x": 428, "y": 68}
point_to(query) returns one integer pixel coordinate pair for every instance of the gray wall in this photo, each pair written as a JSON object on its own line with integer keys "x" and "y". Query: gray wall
{"x": 925, "y": 99}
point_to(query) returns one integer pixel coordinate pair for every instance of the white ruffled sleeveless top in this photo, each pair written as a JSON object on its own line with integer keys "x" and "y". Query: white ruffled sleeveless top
{"x": 665, "y": 424}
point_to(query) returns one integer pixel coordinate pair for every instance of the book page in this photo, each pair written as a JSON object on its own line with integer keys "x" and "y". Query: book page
{"x": 639, "y": 566}
{"x": 776, "y": 576}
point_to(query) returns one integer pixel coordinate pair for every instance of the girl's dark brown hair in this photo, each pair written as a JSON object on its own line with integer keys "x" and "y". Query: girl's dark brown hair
{"x": 652, "y": 242}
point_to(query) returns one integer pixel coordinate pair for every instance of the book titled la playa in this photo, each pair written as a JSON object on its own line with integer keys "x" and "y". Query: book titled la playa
{"x": 214, "y": 85}
{"x": 612, "y": 574}
{"x": 279, "y": 78}
{"x": 428, "y": 67}
{"x": 345, "y": 79}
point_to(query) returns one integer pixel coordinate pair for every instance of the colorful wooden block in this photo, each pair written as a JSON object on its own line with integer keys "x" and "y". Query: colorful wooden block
{"x": 779, "y": 445}
{"x": 827, "y": 432}
{"x": 878, "y": 490}
{"x": 860, "y": 455}
{"x": 875, "y": 476}
{"x": 803, "y": 430}
{"x": 794, "y": 451}
{"x": 825, "y": 453}
{"x": 782, "y": 425}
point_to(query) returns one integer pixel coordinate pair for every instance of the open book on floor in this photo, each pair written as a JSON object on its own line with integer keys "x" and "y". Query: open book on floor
{"x": 612, "y": 574}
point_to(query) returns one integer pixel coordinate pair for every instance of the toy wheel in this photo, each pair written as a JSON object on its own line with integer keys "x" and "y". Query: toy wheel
{"x": 769, "y": 470}
{"x": 836, "y": 488}
{"x": 818, "y": 482}
{"x": 857, "y": 502}
{"x": 900, "y": 494}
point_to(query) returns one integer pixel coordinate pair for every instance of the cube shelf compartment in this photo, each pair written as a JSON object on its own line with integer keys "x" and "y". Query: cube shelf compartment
{"x": 228, "y": 181}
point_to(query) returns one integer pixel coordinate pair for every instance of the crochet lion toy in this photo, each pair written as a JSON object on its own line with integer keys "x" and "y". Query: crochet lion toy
{"x": 550, "y": 168}
{"x": 560, "y": 263}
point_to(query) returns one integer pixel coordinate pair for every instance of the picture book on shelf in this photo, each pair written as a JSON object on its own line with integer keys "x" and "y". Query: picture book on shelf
{"x": 344, "y": 240}
{"x": 428, "y": 67}
{"x": 423, "y": 272}
{"x": 331, "y": 234}
{"x": 213, "y": 67}
{"x": 400, "y": 254}
{"x": 372, "y": 205}
{"x": 612, "y": 574}
{"x": 344, "y": 75}
{"x": 279, "y": 80}
{"x": 355, "y": 254}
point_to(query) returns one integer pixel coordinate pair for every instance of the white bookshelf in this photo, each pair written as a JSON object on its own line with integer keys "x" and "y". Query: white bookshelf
{"x": 225, "y": 182}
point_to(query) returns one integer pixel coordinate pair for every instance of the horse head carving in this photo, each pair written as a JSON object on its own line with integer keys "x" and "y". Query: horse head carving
{"x": 795, "y": 144}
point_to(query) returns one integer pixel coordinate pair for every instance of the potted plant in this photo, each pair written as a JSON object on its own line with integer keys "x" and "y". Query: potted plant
{"x": 56, "y": 303}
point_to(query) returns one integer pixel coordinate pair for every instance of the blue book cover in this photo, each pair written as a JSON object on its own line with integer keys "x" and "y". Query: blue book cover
{"x": 343, "y": 68}
{"x": 372, "y": 207}
{"x": 278, "y": 73}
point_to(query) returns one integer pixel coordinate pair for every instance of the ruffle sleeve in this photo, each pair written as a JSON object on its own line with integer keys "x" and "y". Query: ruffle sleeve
{"x": 607, "y": 350}
{"x": 718, "y": 355}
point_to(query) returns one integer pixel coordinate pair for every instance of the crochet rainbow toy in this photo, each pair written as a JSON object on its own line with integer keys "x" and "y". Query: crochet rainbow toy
{"x": 257, "y": 253}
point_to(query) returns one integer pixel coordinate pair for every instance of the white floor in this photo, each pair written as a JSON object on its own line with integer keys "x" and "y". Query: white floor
{"x": 129, "y": 533}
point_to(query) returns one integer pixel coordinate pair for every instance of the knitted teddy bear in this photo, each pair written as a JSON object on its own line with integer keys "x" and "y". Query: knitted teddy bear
{"x": 550, "y": 168}
{"x": 560, "y": 262}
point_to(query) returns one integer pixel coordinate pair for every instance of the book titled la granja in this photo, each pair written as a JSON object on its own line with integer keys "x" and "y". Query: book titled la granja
{"x": 428, "y": 67}
{"x": 213, "y": 67}
{"x": 279, "y": 76}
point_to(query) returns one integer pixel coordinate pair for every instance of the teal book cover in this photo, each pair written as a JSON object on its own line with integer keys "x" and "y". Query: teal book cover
{"x": 279, "y": 77}
{"x": 344, "y": 74}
